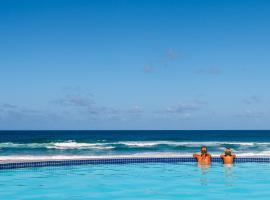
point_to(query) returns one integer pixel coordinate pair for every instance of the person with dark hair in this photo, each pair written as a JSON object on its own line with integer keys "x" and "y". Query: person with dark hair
{"x": 228, "y": 157}
{"x": 204, "y": 158}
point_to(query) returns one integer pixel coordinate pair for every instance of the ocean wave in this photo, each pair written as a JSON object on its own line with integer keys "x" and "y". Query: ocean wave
{"x": 187, "y": 144}
{"x": 78, "y": 145}
{"x": 57, "y": 145}
{"x": 103, "y": 145}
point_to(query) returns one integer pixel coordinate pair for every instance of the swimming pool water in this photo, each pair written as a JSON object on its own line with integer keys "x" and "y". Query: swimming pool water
{"x": 137, "y": 181}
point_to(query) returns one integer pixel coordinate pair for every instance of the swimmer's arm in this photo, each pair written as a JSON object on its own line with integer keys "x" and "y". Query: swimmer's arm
{"x": 195, "y": 155}
{"x": 234, "y": 156}
{"x": 222, "y": 156}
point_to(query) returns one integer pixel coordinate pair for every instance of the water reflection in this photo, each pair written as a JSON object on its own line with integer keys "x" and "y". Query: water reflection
{"x": 204, "y": 171}
{"x": 228, "y": 174}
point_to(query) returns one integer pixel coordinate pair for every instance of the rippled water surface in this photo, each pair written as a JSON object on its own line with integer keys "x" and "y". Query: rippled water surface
{"x": 138, "y": 181}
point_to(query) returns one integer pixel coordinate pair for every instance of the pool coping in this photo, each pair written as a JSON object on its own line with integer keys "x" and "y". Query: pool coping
{"x": 117, "y": 160}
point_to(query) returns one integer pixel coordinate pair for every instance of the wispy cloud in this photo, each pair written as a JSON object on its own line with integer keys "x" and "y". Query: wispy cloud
{"x": 165, "y": 60}
{"x": 172, "y": 54}
{"x": 8, "y": 106}
{"x": 135, "y": 110}
{"x": 82, "y": 102}
{"x": 252, "y": 99}
{"x": 251, "y": 114}
{"x": 75, "y": 100}
{"x": 182, "y": 108}
{"x": 14, "y": 112}
{"x": 148, "y": 68}
{"x": 75, "y": 96}
{"x": 214, "y": 71}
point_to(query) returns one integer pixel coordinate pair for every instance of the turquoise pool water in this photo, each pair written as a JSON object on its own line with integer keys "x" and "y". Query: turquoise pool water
{"x": 137, "y": 181}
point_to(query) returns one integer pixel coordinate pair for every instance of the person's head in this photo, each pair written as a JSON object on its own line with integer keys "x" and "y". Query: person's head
{"x": 203, "y": 150}
{"x": 228, "y": 152}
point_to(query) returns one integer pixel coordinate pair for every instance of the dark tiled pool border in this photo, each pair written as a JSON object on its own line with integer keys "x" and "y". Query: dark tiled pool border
{"x": 15, "y": 165}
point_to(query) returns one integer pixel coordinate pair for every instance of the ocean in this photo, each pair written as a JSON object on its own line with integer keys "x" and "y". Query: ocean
{"x": 86, "y": 144}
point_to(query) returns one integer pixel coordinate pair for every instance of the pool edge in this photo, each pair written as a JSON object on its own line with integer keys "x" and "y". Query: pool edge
{"x": 119, "y": 160}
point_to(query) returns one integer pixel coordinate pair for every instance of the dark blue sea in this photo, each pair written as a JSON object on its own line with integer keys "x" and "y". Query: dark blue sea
{"x": 79, "y": 144}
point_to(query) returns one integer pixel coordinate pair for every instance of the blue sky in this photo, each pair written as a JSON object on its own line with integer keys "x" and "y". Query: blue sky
{"x": 134, "y": 64}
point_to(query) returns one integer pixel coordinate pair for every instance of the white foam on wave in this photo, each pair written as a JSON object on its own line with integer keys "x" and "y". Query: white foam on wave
{"x": 187, "y": 144}
{"x": 57, "y": 145}
{"x": 70, "y": 144}
{"x": 77, "y": 145}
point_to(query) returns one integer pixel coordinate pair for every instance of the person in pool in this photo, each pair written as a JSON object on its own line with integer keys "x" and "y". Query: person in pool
{"x": 204, "y": 158}
{"x": 228, "y": 157}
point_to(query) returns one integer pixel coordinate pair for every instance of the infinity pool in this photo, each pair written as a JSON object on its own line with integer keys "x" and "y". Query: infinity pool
{"x": 137, "y": 181}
